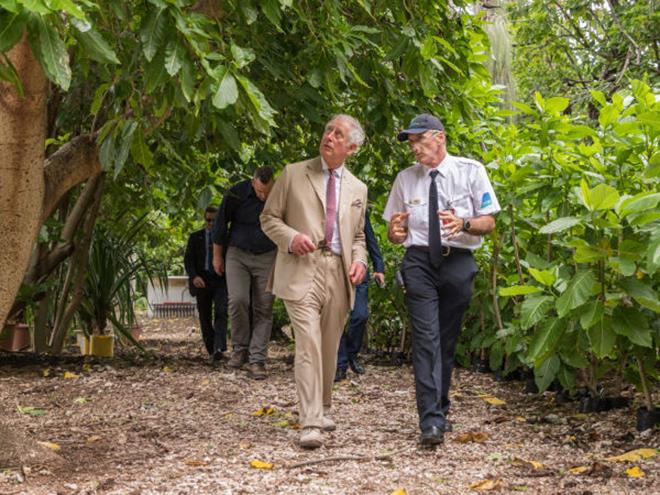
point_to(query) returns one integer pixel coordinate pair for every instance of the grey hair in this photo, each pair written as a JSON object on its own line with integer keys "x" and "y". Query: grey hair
{"x": 356, "y": 134}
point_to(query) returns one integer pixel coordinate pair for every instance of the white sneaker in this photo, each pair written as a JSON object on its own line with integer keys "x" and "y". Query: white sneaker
{"x": 328, "y": 424}
{"x": 311, "y": 438}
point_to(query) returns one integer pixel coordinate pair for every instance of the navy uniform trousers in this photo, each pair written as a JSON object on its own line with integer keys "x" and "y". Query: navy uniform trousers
{"x": 437, "y": 299}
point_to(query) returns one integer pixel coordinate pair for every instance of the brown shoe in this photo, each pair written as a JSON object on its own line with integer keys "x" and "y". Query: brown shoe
{"x": 311, "y": 438}
{"x": 238, "y": 359}
{"x": 329, "y": 424}
{"x": 257, "y": 371}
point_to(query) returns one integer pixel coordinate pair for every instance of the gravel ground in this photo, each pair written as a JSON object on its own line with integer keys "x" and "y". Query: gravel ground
{"x": 171, "y": 424}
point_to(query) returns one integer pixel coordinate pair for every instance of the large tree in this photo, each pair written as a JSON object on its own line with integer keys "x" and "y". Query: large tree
{"x": 135, "y": 86}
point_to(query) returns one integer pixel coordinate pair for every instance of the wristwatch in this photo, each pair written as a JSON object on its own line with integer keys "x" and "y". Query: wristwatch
{"x": 466, "y": 225}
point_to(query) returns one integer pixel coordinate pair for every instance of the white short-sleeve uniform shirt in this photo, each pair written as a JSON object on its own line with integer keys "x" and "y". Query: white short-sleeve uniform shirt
{"x": 462, "y": 184}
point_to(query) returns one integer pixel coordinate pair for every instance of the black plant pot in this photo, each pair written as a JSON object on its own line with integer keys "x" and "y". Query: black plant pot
{"x": 481, "y": 365}
{"x": 601, "y": 404}
{"x": 647, "y": 419}
{"x": 530, "y": 386}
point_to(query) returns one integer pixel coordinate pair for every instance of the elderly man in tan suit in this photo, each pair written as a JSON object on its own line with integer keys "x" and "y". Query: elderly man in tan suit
{"x": 315, "y": 216}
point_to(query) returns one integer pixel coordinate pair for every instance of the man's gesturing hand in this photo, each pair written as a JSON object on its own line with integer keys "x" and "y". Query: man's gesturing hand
{"x": 398, "y": 231}
{"x": 302, "y": 244}
{"x": 357, "y": 272}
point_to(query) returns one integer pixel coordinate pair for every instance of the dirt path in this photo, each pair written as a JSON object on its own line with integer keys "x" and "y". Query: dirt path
{"x": 174, "y": 425}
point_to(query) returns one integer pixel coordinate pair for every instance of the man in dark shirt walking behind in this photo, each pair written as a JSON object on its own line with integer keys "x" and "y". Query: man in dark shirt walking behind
{"x": 247, "y": 262}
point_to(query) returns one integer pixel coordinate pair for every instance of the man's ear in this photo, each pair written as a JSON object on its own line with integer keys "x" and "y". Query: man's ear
{"x": 352, "y": 149}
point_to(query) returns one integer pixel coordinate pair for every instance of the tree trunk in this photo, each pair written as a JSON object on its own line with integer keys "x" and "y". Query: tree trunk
{"x": 22, "y": 135}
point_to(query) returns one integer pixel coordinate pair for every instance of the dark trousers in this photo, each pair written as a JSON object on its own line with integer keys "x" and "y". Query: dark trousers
{"x": 212, "y": 308}
{"x": 351, "y": 339}
{"x": 436, "y": 300}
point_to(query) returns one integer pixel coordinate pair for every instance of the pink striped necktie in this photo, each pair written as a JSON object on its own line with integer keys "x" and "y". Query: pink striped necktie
{"x": 330, "y": 208}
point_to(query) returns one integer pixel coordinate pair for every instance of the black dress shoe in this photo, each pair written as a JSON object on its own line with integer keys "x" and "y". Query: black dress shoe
{"x": 340, "y": 375}
{"x": 216, "y": 358}
{"x": 432, "y": 436}
{"x": 356, "y": 366}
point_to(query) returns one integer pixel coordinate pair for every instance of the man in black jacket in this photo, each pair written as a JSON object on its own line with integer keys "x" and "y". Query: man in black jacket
{"x": 209, "y": 288}
{"x": 243, "y": 253}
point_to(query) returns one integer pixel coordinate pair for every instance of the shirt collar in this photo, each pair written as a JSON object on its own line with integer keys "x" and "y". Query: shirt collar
{"x": 338, "y": 171}
{"x": 442, "y": 167}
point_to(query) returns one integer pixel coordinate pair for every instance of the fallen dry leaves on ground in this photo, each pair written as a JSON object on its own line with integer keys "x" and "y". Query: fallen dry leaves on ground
{"x": 170, "y": 423}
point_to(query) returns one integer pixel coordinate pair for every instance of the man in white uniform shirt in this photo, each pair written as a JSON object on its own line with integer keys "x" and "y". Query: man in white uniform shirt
{"x": 438, "y": 208}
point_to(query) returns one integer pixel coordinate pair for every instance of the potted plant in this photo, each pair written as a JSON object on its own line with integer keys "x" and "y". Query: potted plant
{"x": 117, "y": 269}
{"x": 15, "y": 336}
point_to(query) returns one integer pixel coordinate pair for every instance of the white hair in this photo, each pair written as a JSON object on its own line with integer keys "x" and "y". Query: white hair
{"x": 356, "y": 134}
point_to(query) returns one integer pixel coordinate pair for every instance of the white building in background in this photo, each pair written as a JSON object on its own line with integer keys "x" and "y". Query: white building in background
{"x": 171, "y": 301}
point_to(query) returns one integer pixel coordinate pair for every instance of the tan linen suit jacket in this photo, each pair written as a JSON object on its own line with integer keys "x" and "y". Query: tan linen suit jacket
{"x": 295, "y": 205}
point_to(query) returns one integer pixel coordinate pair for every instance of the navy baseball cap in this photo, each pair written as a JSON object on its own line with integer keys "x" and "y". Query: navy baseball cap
{"x": 421, "y": 123}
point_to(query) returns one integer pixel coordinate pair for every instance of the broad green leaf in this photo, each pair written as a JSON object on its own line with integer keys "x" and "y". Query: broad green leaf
{"x": 242, "y": 56}
{"x": 155, "y": 73}
{"x": 650, "y": 118}
{"x": 38, "y": 6}
{"x": 11, "y": 29}
{"x": 588, "y": 253}
{"x": 524, "y": 108}
{"x": 51, "y": 52}
{"x": 258, "y": 100}
{"x": 96, "y": 47}
{"x": 642, "y": 293}
{"x": 653, "y": 170}
{"x": 140, "y": 152}
{"x": 545, "y": 340}
{"x": 632, "y": 323}
{"x": 518, "y": 290}
{"x": 608, "y": 115}
{"x": 644, "y": 218}
{"x": 639, "y": 203}
{"x": 428, "y": 48}
{"x": 602, "y": 337}
{"x": 173, "y": 57}
{"x": 123, "y": 146}
{"x": 187, "y": 79}
{"x": 153, "y": 32}
{"x": 271, "y": 9}
{"x": 556, "y": 105}
{"x": 107, "y": 151}
{"x": 559, "y": 225}
{"x": 230, "y": 135}
{"x": 603, "y": 197}
{"x": 540, "y": 102}
{"x": 227, "y": 92}
{"x": 579, "y": 290}
{"x": 99, "y": 95}
{"x": 593, "y": 311}
{"x": 653, "y": 256}
{"x": 624, "y": 266}
{"x": 598, "y": 96}
{"x": 545, "y": 277}
{"x": 534, "y": 309}
{"x": 69, "y": 7}
{"x": 574, "y": 356}
{"x": 546, "y": 372}
{"x": 10, "y": 5}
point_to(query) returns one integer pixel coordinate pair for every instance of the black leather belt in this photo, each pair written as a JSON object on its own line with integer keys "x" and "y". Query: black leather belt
{"x": 446, "y": 250}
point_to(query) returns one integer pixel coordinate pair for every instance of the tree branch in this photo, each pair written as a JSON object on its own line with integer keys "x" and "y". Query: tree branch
{"x": 617, "y": 21}
{"x": 72, "y": 164}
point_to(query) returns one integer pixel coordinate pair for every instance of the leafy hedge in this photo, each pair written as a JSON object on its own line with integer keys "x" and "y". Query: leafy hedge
{"x": 568, "y": 283}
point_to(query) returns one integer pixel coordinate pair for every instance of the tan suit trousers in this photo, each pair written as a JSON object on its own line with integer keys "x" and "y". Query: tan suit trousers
{"x": 318, "y": 320}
